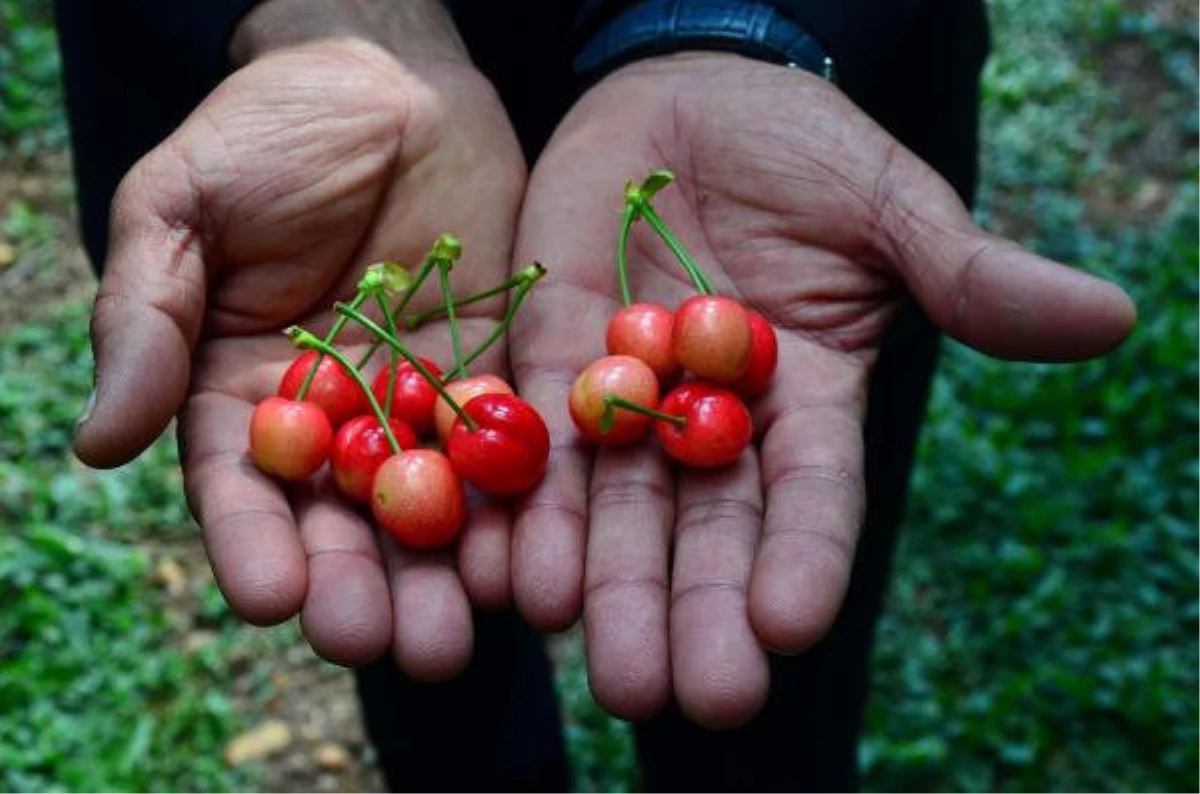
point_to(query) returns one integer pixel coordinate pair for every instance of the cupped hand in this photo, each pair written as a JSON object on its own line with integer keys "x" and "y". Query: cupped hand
{"x": 263, "y": 208}
{"x": 797, "y": 204}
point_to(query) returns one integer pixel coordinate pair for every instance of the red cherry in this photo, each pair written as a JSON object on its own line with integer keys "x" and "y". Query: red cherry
{"x": 715, "y": 430}
{"x": 332, "y": 388}
{"x": 643, "y": 330}
{"x": 622, "y": 376}
{"x": 359, "y": 448}
{"x": 462, "y": 391}
{"x": 711, "y": 337}
{"x": 289, "y": 438}
{"x": 764, "y": 355}
{"x": 413, "y": 397}
{"x": 419, "y": 499}
{"x": 507, "y": 451}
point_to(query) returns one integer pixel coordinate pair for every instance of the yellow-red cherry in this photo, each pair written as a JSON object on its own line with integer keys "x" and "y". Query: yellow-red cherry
{"x": 644, "y": 330}
{"x": 413, "y": 397}
{"x": 711, "y": 337}
{"x": 419, "y": 499}
{"x": 289, "y": 439}
{"x": 463, "y": 391}
{"x": 506, "y": 452}
{"x": 332, "y": 388}
{"x": 360, "y": 447}
{"x": 716, "y": 425}
{"x": 620, "y": 376}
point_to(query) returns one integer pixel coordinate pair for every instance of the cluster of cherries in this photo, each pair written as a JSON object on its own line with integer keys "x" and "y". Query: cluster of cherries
{"x": 407, "y": 441}
{"x": 710, "y": 355}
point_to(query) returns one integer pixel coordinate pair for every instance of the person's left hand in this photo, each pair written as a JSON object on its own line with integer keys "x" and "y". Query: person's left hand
{"x": 800, "y": 206}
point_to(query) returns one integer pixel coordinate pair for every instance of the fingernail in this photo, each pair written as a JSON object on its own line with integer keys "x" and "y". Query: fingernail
{"x": 88, "y": 407}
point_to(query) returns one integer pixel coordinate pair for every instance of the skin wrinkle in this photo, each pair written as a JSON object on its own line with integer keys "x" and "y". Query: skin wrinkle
{"x": 603, "y": 584}
{"x": 624, "y": 493}
{"x": 699, "y": 515}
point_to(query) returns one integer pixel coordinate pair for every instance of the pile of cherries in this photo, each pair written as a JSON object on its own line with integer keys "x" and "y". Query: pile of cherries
{"x": 710, "y": 355}
{"x": 410, "y": 440}
{"x": 407, "y": 441}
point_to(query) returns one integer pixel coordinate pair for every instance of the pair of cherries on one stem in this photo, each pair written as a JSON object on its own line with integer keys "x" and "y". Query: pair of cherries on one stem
{"x": 370, "y": 433}
{"x": 730, "y": 353}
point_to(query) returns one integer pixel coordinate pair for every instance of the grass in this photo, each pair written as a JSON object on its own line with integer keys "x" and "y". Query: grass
{"x": 1041, "y": 630}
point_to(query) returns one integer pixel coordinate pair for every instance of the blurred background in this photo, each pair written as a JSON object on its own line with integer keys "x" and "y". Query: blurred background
{"x": 1041, "y": 632}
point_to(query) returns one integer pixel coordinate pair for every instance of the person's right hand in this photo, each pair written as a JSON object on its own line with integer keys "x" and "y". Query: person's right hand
{"x": 261, "y": 210}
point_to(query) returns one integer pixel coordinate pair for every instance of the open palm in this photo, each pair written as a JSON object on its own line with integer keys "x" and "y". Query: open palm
{"x": 262, "y": 209}
{"x": 794, "y": 202}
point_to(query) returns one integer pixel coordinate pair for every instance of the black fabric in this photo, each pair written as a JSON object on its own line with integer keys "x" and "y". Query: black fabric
{"x": 132, "y": 71}
{"x": 494, "y": 728}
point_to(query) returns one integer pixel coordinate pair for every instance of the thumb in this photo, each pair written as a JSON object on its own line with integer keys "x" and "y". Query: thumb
{"x": 989, "y": 292}
{"x": 147, "y": 315}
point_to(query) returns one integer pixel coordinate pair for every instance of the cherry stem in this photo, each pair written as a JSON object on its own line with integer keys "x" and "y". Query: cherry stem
{"x": 304, "y": 339}
{"x": 392, "y": 358}
{"x": 395, "y": 344}
{"x": 451, "y": 318}
{"x": 336, "y": 329}
{"x": 644, "y": 209}
{"x": 613, "y": 401}
{"x": 536, "y": 271}
{"x": 415, "y": 321}
{"x": 445, "y": 248}
{"x": 627, "y": 219}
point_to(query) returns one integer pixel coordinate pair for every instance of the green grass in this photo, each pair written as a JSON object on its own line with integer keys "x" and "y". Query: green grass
{"x": 1041, "y": 631}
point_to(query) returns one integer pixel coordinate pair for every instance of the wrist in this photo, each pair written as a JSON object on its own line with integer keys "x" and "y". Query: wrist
{"x": 413, "y": 31}
{"x": 661, "y": 27}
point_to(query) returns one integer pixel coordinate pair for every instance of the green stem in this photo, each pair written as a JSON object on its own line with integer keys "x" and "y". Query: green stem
{"x": 310, "y": 341}
{"x": 659, "y": 225}
{"x": 391, "y": 381}
{"x": 426, "y": 268}
{"x": 330, "y": 337}
{"x": 497, "y": 333}
{"x": 415, "y": 321}
{"x": 391, "y": 341}
{"x": 451, "y": 317}
{"x": 613, "y": 401}
{"x": 627, "y": 219}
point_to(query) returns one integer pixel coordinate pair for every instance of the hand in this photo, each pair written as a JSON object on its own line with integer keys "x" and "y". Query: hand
{"x": 260, "y": 211}
{"x": 799, "y": 205}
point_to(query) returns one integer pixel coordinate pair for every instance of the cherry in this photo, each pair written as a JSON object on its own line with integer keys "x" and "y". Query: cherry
{"x": 462, "y": 391}
{"x": 418, "y": 498}
{"x": 359, "y": 447}
{"x": 413, "y": 397}
{"x": 712, "y": 429}
{"x": 289, "y": 438}
{"x": 711, "y": 337}
{"x": 764, "y": 355}
{"x": 507, "y": 451}
{"x": 332, "y": 388}
{"x": 643, "y": 330}
{"x": 625, "y": 377}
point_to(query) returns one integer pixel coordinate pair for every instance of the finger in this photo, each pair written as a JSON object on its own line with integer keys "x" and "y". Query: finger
{"x": 631, "y": 510}
{"x": 433, "y": 635}
{"x": 549, "y": 528}
{"x": 484, "y": 560}
{"x": 812, "y": 461}
{"x": 347, "y": 612}
{"x": 256, "y": 553}
{"x": 990, "y": 292}
{"x": 719, "y": 668}
{"x": 147, "y": 315}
